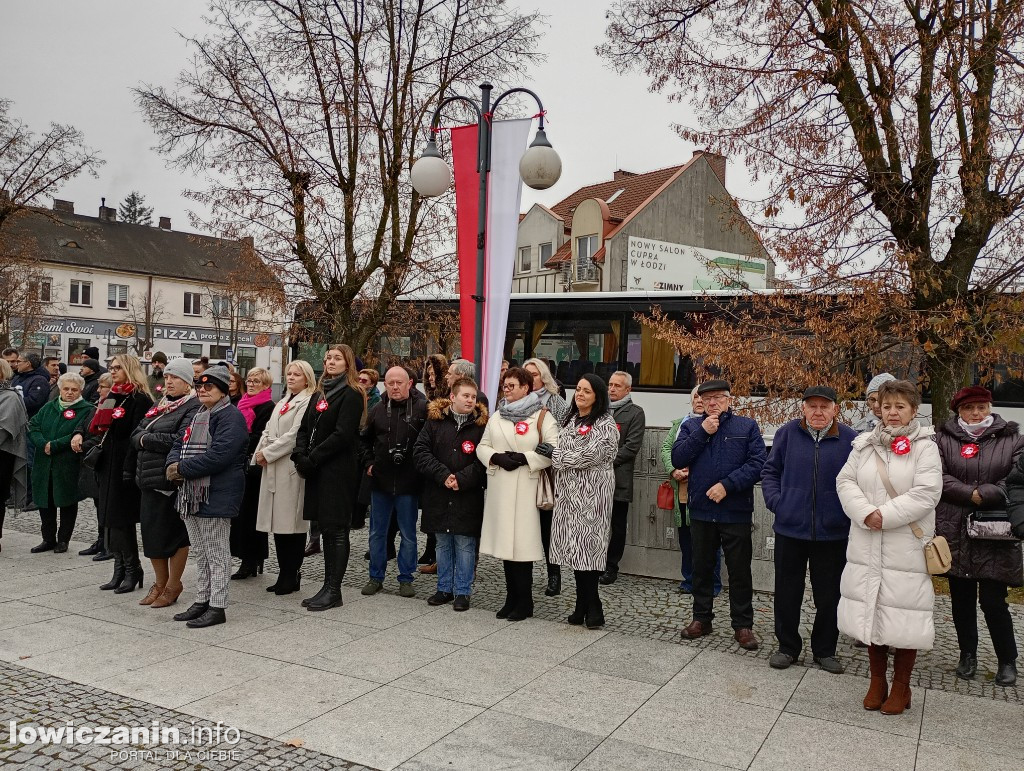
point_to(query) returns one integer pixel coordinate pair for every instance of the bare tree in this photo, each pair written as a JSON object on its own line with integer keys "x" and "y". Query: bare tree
{"x": 889, "y": 135}
{"x": 145, "y": 310}
{"x": 306, "y": 116}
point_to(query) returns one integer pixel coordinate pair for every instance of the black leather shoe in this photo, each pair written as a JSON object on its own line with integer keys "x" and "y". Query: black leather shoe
{"x": 61, "y": 547}
{"x": 608, "y": 577}
{"x": 507, "y": 608}
{"x": 1006, "y": 674}
{"x": 102, "y": 555}
{"x": 44, "y": 546}
{"x": 520, "y": 613}
{"x": 194, "y": 611}
{"x": 313, "y": 547}
{"x": 96, "y": 548}
{"x": 576, "y": 618}
{"x": 119, "y": 571}
{"x": 968, "y": 666}
{"x": 211, "y": 617}
{"x": 440, "y": 598}
{"x": 461, "y": 602}
{"x": 554, "y": 585}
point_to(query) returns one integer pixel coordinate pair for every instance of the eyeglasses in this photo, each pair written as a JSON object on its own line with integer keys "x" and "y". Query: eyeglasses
{"x": 205, "y": 386}
{"x": 115, "y": 368}
{"x": 512, "y": 386}
{"x": 253, "y": 382}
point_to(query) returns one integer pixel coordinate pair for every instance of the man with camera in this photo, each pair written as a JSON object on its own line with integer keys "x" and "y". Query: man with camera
{"x": 392, "y": 426}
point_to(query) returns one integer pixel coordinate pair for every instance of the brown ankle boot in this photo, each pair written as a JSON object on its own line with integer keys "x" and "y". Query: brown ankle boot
{"x": 878, "y": 691}
{"x": 899, "y": 696}
{"x": 169, "y": 596}
{"x": 154, "y": 591}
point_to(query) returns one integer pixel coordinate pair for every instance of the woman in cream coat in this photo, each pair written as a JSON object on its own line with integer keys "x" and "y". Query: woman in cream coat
{"x": 887, "y": 595}
{"x": 281, "y": 489}
{"x": 511, "y": 527}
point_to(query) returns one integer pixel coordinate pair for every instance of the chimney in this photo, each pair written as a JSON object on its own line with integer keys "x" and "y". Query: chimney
{"x": 107, "y": 215}
{"x": 165, "y": 223}
{"x": 717, "y": 162}
{"x": 64, "y": 207}
{"x": 622, "y": 174}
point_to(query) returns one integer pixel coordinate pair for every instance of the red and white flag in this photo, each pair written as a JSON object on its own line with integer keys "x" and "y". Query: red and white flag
{"x": 508, "y": 143}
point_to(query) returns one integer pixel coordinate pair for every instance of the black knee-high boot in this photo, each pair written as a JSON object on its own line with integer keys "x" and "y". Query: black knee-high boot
{"x": 595, "y": 611}
{"x": 510, "y": 590}
{"x": 523, "y": 573}
{"x": 336, "y": 548}
{"x": 579, "y": 614}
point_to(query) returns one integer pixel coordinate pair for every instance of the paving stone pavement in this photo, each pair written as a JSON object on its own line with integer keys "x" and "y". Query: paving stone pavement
{"x": 650, "y": 608}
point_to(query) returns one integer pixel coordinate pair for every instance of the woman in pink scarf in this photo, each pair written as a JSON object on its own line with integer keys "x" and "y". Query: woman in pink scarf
{"x": 247, "y": 544}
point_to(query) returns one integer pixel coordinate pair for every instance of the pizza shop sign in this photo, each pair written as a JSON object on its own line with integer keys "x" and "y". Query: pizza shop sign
{"x": 126, "y": 331}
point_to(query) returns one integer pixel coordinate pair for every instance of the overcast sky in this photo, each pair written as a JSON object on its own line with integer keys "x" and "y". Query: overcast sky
{"x": 74, "y": 62}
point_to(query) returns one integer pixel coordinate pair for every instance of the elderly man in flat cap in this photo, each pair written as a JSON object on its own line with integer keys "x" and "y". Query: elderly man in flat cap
{"x": 725, "y": 454}
{"x": 799, "y": 485}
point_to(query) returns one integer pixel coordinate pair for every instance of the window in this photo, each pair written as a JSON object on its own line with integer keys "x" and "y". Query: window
{"x": 245, "y": 358}
{"x": 191, "y": 350}
{"x": 117, "y": 349}
{"x": 117, "y": 295}
{"x": 220, "y": 306}
{"x": 81, "y": 292}
{"x": 546, "y": 250}
{"x": 76, "y": 349}
{"x": 193, "y": 304}
{"x": 585, "y": 248}
{"x": 525, "y": 253}
{"x": 219, "y": 352}
{"x": 246, "y": 308}
{"x": 42, "y": 289}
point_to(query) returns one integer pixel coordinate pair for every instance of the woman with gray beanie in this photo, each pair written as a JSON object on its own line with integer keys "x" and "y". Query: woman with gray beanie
{"x": 874, "y": 415}
{"x": 207, "y": 462}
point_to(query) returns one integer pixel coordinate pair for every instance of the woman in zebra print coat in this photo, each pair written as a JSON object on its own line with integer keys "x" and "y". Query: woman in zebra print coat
{"x": 584, "y": 487}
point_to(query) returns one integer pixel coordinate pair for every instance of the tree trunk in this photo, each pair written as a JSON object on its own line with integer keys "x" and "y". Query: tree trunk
{"x": 947, "y": 373}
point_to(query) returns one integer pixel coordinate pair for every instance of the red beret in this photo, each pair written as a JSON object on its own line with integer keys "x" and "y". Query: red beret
{"x": 970, "y": 395}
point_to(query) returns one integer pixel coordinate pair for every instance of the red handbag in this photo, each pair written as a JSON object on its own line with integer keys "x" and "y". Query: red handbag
{"x": 666, "y": 496}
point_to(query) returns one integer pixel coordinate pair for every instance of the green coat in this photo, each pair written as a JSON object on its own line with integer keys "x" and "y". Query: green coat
{"x": 62, "y": 464}
{"x": 666, "y": 463}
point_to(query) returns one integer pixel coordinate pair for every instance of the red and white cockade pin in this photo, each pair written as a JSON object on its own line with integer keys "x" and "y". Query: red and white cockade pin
{"x": 322, "y": 405}
{"x": 618, "y": 427}
{"x": 970, "y": 450}
{"x": 69, "y": 414}
{"x": 522, "y": 427}
{"x": 151, "y": 412}
{"x": 583, "y": 430}
{"x": 287, "y": 406}
{"x": 159, "y": 389}
{"x": 468, "y": 447}
{"x": 900, "y": 445}
{"x": 118, "y": 412}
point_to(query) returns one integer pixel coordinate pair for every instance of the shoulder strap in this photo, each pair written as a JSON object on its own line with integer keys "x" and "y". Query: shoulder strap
{"x": 884, "y": 474}
{"x": 540, "y": 421}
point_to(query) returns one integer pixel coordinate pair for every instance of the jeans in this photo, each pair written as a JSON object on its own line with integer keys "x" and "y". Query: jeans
{"x": 406, "y": 509}
{"x": 827, "y": 560}
{"x": 456, "y": 562}
{"x": 686, "y": 555}
{"x": 735, "y": 541}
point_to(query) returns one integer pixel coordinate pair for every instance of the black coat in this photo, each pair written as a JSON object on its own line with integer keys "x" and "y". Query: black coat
{"x": 394, "y": 426}
{"x": 119, "y": 495}
{"x": 327, "y": 456}
{"x": 91, "y": 390}
{"x": 223, "y": 462}
{"x": 245, "y": 542}
{"x": 999, "y": 448}
{"x": 153, "y": 438}
{"x": 442, "y": 449}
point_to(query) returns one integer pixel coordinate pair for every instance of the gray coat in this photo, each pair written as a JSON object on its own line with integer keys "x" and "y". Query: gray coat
{"x": 631, "y": 422}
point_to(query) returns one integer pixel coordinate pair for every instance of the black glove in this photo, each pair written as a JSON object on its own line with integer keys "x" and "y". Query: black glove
{"x": 503, "y": 461}
{"x": 518, "y": 458}
{"x": 303, "y": 465}
{"x": 1018, "y": 531}
{"x": 545, "y": 449}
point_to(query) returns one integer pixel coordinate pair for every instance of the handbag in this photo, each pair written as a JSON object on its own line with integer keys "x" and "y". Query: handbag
{"x": 545, "y": 481}
{"x": 91, "y": 459}
{"x": 992, "y": 525}
{"x": 666, "y": 496}
{"x": 938, "y": 559}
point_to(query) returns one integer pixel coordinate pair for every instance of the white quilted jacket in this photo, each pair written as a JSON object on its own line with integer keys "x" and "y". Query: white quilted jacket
{"x": 887, "y": 595}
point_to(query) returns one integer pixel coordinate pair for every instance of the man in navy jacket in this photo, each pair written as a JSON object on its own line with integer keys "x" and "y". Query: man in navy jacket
{"x": 799, "y": 484}
{"x": 725, "y": 453}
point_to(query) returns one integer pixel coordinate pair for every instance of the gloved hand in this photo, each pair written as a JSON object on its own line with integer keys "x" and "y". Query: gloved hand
{"x": 518, "y": 458}
{"x": 303, "y": 465}
{"x": 545, "y": 449}
{"x": 503, "y": 461}
{"x": 1018, "y": 530}
{"x": 172, "y": 473}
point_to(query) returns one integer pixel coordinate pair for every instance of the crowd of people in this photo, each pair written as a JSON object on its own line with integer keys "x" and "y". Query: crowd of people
{"x": 207, "y": 466}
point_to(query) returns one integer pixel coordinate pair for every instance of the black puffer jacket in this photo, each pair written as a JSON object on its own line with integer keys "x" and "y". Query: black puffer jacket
{"x": 1015, "y": 495}
{"x": 153, "y": 439}
{"x": 394, "y": 426}
{"x": 999, "y": 448}
{"x": 443, "y": 448}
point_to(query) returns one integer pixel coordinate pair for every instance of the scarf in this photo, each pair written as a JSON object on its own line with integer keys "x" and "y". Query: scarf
{"x": 620, "y": 403}
{"x": 460, "y": 419}
{"x": 67, "y": 405}
{"x": 104, "y": 416}
{"x": 197, "y": 441}
{"x": 169, "y": 404}
{"x": 330, "y": 386}
{"x": 522, "y": 409}
{"x": 247, "y": 402}
{"x": 977, "y": 429}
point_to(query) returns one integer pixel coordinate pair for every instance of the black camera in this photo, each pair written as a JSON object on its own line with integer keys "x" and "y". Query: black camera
{"x": 397, "y": 455}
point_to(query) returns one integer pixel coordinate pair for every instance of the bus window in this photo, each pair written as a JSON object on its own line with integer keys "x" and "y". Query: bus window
{"x": 650, "y": 360}
{"x": 576, "y": 346}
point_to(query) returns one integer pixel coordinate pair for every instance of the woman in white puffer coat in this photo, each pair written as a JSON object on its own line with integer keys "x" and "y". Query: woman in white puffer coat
{"x": 887, "y": 595}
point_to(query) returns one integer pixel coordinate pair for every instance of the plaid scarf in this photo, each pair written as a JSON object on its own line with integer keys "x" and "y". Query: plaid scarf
{"x": 195, "y": 492}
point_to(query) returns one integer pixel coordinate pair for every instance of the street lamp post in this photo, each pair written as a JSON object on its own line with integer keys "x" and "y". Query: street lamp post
{"x": 540, "y": 168}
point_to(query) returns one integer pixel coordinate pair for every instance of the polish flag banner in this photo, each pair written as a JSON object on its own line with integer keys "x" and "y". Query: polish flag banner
{"x": 508, "y": 143}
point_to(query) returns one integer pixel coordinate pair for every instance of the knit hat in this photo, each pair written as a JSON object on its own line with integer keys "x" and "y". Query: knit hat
{"x": 180, "y": 368}
{"x": 713, "y": 385}
{"x": 92, "y": 364}
{"x": 970, "y": 395}
{"x": 92, "y": 352}
{"x": 876, "y": 383}
{"x": 218, "y": 375}
{"x": 158, "y": 358}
